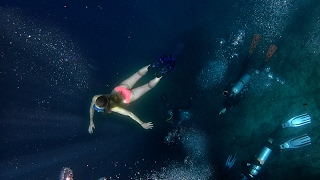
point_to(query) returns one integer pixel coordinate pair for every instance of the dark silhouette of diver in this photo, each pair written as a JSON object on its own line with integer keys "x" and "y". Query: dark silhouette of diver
{"x": 178, "y": 114}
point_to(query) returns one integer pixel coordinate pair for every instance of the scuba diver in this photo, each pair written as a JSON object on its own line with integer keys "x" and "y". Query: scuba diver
{"x": 251, "y": 169}
{"x": 179, "y": 114}
{"x": 235, "y": 90}
{"x": 124, "y": 93}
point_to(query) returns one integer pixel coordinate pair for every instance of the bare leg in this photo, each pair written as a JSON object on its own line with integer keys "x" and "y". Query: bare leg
{"x": 131, "y": 81}
{"x": 139, "y": 91}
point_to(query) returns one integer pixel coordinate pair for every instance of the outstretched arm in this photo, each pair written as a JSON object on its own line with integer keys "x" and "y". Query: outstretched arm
{"x": 91, "y": 112}
{"x": 125, "y": 112}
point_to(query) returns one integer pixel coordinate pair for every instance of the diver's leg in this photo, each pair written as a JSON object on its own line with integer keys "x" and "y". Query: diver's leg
{"x": 139, "y": 91}
{"x": 131, "y": 81}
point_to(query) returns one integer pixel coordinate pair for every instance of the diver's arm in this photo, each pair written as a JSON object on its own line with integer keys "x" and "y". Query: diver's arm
{"x": 125, "y": 112}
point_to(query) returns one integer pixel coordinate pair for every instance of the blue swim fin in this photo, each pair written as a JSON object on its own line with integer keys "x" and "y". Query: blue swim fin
{"x": 165, "y": 63}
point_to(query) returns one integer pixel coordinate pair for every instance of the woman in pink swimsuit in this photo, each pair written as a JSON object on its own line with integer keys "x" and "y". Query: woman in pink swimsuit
{"x": 124, "y": 94}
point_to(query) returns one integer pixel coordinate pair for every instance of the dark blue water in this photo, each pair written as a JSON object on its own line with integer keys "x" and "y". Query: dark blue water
{"x": 56, "y": 55}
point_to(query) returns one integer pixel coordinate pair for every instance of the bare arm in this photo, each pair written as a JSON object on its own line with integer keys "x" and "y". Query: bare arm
{"x": 125, "y": 112}
{"x": 91, "y": 112}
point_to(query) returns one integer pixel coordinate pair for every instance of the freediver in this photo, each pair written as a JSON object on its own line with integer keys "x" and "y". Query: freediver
{"x": 124, "y": 94}
{"x": 236, "y": 89}
{"x": 251, "y": 169}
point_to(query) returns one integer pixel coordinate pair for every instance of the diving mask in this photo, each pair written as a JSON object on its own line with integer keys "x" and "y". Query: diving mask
{"x": 98, "y": 109}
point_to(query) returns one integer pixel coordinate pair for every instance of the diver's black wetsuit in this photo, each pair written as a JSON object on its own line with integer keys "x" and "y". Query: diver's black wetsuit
{"x": 176, "y": 113}
{"x": 177, "y": 110}
{"x": 231, "y": 101}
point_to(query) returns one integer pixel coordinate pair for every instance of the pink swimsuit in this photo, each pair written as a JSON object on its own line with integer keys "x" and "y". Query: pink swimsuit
{"x": 125, "y": 92}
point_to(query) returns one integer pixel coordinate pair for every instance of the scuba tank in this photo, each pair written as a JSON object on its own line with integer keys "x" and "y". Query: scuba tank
{"x": 261, "y": 158}
{"x": 240, "y": 84}
{"x": 259, "y": 161}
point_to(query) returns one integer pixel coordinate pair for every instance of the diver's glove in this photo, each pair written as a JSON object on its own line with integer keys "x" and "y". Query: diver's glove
{"x": 223, "y": 111}
{"x": 230, "y": 161}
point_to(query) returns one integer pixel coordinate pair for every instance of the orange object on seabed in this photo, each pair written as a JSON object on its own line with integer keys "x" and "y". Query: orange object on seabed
{"x": 272, "y": 49}
{"x": 255, "y": 40}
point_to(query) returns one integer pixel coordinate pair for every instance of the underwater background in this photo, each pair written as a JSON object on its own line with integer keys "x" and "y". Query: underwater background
{"x": 55, "y": 56}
